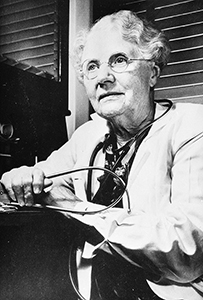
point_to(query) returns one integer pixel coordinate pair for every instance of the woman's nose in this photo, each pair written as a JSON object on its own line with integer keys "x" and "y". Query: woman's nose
{"x": 105, "y": 73}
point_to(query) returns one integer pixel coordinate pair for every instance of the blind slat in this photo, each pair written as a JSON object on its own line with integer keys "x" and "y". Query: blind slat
{"x": 168, "y": 3}
{"x": 180, "y": 92}
{"x": 188, "y": 42}
{"x": 186, "y": 55}
{"x": 27, "y": 34}
{"x": 36, "y": 12}
{"x": 31, "y": 43}
{"x": 24, "y": 24}
{"x": 24, "y": 7}
{"x": 4, "y": 3}
{"x": 181, "y": 21}
{"x": 182, "y": 9}
{"x": 191, "y": 30}
{"x": 191, "y": 66}
{"x": 180, "y": 80}
{"x": 38, "y": 61}
{"x": 32, "y": 52}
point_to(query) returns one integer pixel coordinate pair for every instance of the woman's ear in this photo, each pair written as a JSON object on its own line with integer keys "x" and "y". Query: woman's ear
{"x": 154, "y": 74}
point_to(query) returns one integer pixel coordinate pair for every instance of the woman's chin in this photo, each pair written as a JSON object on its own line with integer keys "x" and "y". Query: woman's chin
{"x": 109, "y": 114}
{"x": 110, "y": 111}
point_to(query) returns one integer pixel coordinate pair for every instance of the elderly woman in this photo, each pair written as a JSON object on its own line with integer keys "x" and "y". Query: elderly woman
{"x": 151, "y": 245}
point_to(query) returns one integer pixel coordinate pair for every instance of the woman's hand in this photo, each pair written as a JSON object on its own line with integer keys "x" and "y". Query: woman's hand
{"x": 23, "y": 183}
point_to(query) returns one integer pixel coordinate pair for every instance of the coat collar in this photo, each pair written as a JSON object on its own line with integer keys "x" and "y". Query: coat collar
{"x": 161, "y": 118}
{"x": 157, "y": 125}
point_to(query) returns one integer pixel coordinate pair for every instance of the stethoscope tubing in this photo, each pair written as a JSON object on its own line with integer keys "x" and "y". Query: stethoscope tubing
{"x": 82, "y": 212}
{"x": 91, "y": 168}
{"x": 127, "y": 147}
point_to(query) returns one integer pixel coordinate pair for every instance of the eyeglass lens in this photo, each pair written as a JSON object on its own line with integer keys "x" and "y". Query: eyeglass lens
{"x": 117, "y": 62}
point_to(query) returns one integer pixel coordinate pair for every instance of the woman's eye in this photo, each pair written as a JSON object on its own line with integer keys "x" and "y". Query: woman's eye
{"x": 92, "y": 66}
{"x": 120, "y": 60}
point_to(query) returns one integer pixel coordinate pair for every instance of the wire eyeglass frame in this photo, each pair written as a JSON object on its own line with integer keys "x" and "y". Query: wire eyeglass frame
{"x": 117, "y": 62}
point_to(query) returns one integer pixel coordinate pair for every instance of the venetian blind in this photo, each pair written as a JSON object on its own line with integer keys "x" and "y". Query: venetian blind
{"x": 182, "y": 21}
{"x": 29, "y": 34}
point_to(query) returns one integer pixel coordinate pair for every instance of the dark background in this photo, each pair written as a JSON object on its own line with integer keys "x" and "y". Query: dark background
{"x": 34, "y": 256}
{"x": 36, "y": 108}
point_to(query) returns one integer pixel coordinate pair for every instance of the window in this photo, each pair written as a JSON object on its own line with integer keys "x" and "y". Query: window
{"x": 182, "y": 21}
{"x": 29, "y": 35}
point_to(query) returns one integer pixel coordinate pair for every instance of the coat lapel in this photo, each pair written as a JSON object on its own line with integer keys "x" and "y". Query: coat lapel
{"x": 144, "y": 151}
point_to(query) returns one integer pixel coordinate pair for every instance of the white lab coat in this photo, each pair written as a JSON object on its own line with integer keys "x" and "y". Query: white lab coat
{"x": 165, "y": 225}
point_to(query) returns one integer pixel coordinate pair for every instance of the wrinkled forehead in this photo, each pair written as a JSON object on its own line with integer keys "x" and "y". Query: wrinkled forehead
{"x": 103, "y": 41}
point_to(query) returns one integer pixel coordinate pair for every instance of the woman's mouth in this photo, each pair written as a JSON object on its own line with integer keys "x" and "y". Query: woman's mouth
{"x": 109, "y": 94}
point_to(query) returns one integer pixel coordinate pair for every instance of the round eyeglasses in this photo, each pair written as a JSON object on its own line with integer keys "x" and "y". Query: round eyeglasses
{"x": 118, "y": 63}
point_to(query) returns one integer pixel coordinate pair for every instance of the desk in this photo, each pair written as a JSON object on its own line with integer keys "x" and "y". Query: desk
{"x": 34, "y": 254}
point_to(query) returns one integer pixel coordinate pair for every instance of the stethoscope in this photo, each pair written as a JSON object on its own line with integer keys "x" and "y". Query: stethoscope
{"x": 168, "y": 103}
{"x": 125, "y": 148}
{"x": 90, "y": 168}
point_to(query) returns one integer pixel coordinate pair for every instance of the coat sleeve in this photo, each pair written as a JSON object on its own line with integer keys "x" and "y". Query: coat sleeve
{"x": 168, "y": 245}
{"x": 68, "y": 156}
{"x": 170, "y": 242}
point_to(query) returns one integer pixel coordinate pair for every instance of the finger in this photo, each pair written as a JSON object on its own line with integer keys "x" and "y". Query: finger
{"x": 4, "y": 197}
{"x": 39, "y": 181}
{"x": 9, "y": 194}
{"x": 8, "y": 188}
{"x": 18, "y": 189}
{"x": 28, "y": 192}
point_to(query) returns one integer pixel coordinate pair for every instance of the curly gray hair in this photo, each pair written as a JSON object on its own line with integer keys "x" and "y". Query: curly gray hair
{"x": 151, "y": 42}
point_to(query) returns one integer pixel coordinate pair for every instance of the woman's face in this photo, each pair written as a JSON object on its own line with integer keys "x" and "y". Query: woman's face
{"x": 113, "y": 95}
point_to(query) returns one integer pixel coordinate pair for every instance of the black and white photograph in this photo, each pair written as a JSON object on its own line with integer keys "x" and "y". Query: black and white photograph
{"x": 101, "y": 150}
